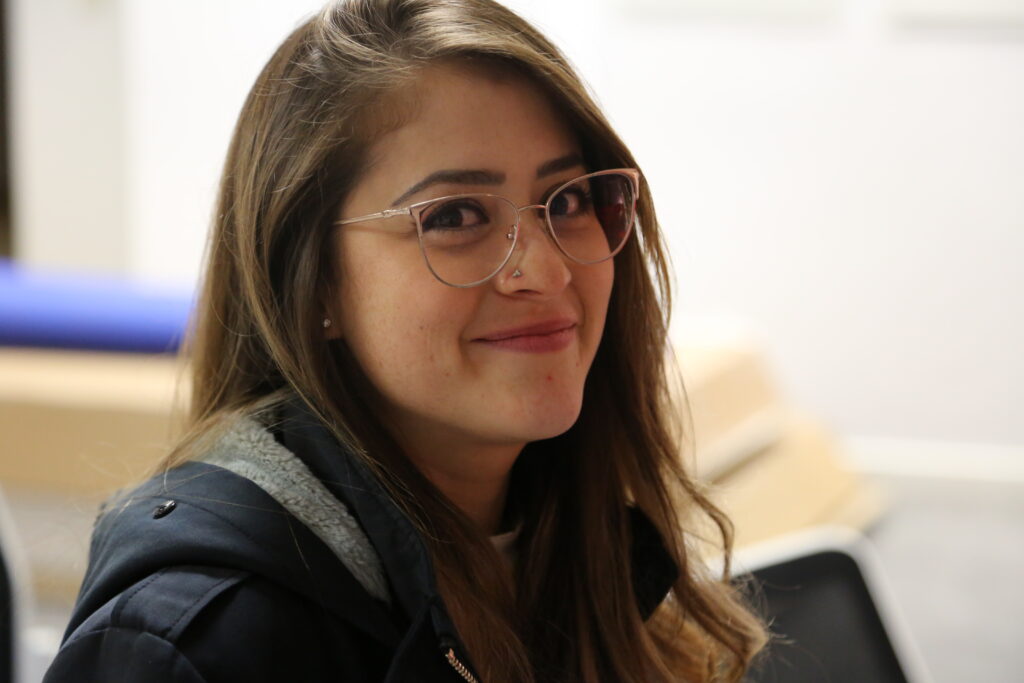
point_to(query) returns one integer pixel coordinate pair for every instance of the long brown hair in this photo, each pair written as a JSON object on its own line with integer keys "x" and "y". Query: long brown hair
{"x": 569, "y": 612}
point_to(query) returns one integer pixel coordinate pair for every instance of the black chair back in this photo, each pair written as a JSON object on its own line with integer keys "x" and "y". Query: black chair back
{"x": 832, "y": 621}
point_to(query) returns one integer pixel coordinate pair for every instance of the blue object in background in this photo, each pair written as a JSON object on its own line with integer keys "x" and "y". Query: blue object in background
{"x": 76, "y": 311}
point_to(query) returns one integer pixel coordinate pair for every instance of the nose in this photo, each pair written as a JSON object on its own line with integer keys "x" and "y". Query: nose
{"x": 536, "y": 265}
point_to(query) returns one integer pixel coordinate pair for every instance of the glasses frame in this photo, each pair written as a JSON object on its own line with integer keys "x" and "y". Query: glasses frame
{"x": 415, "y": 210}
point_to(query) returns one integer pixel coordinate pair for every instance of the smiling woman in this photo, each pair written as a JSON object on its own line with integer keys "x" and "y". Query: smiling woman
{"x": 429, "y": 437}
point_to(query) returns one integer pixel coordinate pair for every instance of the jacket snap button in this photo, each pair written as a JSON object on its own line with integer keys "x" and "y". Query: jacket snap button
{"x": 164, "y": 509}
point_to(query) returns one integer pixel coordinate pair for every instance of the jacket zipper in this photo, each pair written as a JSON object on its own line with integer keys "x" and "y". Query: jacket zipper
{"x": 459, "y": 667}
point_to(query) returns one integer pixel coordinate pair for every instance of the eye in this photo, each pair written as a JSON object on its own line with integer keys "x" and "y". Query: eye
{"x": 454, "y": 215}
{"x": 571, "y": 201}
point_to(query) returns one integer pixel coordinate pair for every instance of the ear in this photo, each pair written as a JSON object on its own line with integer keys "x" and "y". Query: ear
{"x": 331, "y": 330}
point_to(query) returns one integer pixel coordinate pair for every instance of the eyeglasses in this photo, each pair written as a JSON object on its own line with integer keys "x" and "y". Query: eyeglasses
{"x": 466, "y": 239}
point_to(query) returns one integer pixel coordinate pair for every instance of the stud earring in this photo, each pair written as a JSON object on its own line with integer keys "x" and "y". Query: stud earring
{"x": 327, "y": 323}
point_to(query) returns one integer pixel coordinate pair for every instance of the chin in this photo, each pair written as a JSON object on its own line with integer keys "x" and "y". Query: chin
{"x": 552, "y": 423}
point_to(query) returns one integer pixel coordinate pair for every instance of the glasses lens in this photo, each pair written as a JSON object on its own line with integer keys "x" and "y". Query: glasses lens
{"x": 467, "y": 238}
{"x": 592, "y": 216}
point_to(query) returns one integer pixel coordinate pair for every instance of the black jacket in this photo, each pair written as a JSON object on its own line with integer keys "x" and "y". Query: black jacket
{"x": 213, "y": 572}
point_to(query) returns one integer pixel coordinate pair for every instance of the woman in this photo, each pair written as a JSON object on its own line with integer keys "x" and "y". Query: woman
{"x": 429, "y": 436}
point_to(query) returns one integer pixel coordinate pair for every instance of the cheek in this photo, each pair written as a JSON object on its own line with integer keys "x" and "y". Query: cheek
{"x": 402, "y": 327}
{"x": 596, "y": 290}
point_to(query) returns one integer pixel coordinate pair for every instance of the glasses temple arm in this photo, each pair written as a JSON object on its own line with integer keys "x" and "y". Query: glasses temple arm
{"x": 386, "y": 213}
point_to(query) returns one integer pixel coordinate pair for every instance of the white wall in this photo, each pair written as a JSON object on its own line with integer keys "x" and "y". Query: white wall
{"x": 847, "y": 187}
{"x": 66, "y": 132}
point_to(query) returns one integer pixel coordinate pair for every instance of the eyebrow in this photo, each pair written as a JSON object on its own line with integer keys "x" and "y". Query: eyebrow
{"x": 480, "y": 176}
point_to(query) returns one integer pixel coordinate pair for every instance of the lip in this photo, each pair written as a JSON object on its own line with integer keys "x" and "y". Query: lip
{"x": 545, "y": 336}
{"x": 540, "y": 328}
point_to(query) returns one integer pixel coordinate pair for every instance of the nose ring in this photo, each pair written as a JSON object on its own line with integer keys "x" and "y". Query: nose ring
{"x": 517, "y": 273}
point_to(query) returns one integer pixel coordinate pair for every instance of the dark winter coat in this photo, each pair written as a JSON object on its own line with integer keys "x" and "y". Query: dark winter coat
{"x": 275, "y": 558}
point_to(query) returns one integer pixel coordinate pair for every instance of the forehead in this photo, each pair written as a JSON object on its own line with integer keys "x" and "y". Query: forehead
{"x": 468, "y": 117}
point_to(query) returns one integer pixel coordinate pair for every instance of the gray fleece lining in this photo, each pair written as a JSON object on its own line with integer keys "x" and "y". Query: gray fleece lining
{"x": 249, "y": 450}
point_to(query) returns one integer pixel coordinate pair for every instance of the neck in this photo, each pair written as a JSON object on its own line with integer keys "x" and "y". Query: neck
{"x": 474, "y": 479}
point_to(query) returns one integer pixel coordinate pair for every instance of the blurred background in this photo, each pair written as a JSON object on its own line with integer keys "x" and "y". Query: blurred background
{"x": 841, "y": 183}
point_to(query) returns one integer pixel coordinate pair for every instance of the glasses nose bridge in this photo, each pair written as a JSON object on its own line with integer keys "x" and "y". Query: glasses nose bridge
{"x": 543, "y": 217}
{"x": 543, "y": 224}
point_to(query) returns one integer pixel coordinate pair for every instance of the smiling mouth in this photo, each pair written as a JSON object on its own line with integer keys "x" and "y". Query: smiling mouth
{"x": 535, "y": 339}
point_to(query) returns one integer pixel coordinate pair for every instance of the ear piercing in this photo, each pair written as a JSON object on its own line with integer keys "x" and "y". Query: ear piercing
{"x": 327, "y": 323}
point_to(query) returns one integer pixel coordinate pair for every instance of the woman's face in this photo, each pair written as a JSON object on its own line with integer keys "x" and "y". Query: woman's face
{"x": 458, "y": 368}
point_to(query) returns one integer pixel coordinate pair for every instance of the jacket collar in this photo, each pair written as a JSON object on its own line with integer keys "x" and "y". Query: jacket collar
{"x": 402, "y": 551}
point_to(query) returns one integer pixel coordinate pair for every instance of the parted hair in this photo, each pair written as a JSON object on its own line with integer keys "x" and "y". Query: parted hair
{"x": 567, "y": 612}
